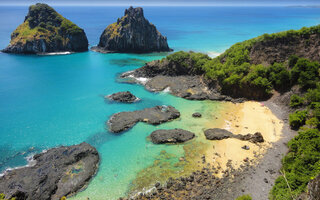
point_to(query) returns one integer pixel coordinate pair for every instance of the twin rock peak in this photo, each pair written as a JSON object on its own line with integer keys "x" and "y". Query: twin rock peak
{"x": 44, "y": 30}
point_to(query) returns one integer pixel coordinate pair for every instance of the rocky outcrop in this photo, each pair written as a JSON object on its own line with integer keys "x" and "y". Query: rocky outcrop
{"x": 314, "y": 189}
{"x": 181, "y": 81}
{"x": 220, "y": 134}
{"x": 124, "y": 120}
{"x": 126, "y": 97}
{"x": 171, "y": 136}
{"x": 132, "y": 34}
{"x": 196, "y": 115}
{"x": 46, "y": 31}
{"x": 56, "y": 173}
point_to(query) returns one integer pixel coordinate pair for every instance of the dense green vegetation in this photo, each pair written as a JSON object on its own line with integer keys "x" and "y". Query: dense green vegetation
{"x": 244, "y": 197}
{"x": 43, "y": 22}
{"x": 238, "y": 78}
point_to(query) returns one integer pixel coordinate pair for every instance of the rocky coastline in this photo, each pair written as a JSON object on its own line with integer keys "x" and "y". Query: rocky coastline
{"x": 55, "y": 173}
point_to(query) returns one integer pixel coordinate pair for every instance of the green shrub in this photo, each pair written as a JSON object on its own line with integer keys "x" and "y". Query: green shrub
{"x": 293, "y": 60}
{"x": 279, "y": 76}
{"x": 300, "y": 165}
{"x": 305, "y": 73}
{"x": 296, "y": 101}
{"x": 297, "y": 119}
{"x": 244, "y": 197}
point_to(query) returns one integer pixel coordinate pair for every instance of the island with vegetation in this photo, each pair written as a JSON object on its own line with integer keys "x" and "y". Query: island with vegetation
{"x": 132, "y": 33}
{"x": 46, "y": 31}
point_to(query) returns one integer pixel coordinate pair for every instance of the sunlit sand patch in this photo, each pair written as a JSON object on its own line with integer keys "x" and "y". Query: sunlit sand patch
{"x": 244, "y": 118}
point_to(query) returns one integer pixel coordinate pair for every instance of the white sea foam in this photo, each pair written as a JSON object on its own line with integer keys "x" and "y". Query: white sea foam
{"x": 167, "y": 90}
{"x": 213, "y": 54}
{"x": 55, "y": 53}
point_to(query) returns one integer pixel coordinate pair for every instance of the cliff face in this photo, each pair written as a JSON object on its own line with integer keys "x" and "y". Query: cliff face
{"x": 44, "y": 30}
{"x": 132, "y": 34}
{"x": 280, "y": 49}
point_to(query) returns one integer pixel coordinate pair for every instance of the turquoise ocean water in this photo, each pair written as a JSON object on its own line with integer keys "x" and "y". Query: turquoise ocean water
{"x": 47, "y": 101}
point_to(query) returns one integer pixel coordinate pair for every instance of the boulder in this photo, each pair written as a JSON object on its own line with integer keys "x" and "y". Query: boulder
{"x": 132, "y": 33}
{"x": 217, "y": 134}
{"x": 124, "y": 120}
{"x": 56, "y": 173}
{"x": 46, "y": 31}
{"x": 171, "y": 136}
{"x": 126, "y": 97}
{"x": 196, "y": 115}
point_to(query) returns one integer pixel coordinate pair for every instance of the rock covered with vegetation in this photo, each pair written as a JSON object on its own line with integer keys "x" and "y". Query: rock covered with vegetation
{"x": 45, "y": 31}
{"x": 57, "y": 173}
{"x": 132, "y": 34}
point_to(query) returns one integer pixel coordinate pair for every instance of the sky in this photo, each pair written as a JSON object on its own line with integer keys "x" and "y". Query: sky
{"x": 167, "y": 2}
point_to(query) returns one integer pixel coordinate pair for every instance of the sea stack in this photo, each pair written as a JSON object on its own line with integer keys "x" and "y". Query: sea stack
{"x": 46, "y": 31}
{"x": 133, "y": 33}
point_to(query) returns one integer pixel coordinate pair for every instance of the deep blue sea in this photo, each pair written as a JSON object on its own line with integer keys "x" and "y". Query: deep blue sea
{"x": 47, "y": 101}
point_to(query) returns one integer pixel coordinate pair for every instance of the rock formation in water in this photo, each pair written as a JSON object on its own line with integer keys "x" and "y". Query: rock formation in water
{"x": 56, "y": 173}
{"x": 124, "y": 120}
{"x": 126, "y": 97}
{"x": 171, "y": 136}
{"x": 132, "y": 33}
{"x": 46, "y": 31}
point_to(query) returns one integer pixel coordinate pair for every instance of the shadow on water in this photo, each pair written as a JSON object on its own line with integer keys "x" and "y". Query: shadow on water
{"x": 11, "y": 157}
{"x": 128, "y": 62}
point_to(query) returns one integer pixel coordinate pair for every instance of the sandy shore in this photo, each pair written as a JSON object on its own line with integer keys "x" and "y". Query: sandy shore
{"x": 244, "y": 118}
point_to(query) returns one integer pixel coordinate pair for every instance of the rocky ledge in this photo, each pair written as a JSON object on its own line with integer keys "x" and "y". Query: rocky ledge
{"x": 124, "y": 120}
{"x": 126, "y": 97}
{"x": 132, "y": 33}
{"x": 178, "y": 80}
{"x": 46, "y": 31}
{"x": 171, "y": 136}
{"x": 56, "y": 173}
{"x": 220, "y": 134}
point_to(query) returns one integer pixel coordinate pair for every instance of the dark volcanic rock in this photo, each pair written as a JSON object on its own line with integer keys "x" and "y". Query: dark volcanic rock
{"x": 58, "y": 172}
{"x": 220, "y": 134}
{"x": 314, "y": 189}
{"x": 124, "y": 120}
{"x": 217, "y": 134}
{"x": 132, "y": 34}
{"x": 126, "y": 97}
{"x": 45, "y": 31}
{"x": 171, "y": 136}
{"x": 196, "y": 115}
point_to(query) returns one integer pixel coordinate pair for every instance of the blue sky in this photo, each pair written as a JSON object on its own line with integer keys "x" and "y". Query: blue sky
{"x": 169, "y": 2}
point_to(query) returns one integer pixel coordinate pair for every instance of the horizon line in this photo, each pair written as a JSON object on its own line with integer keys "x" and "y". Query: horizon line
{"x": 165, "y": 5}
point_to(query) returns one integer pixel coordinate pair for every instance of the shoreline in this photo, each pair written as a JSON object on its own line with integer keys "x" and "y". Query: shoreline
{"x": 263, "y": 161}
